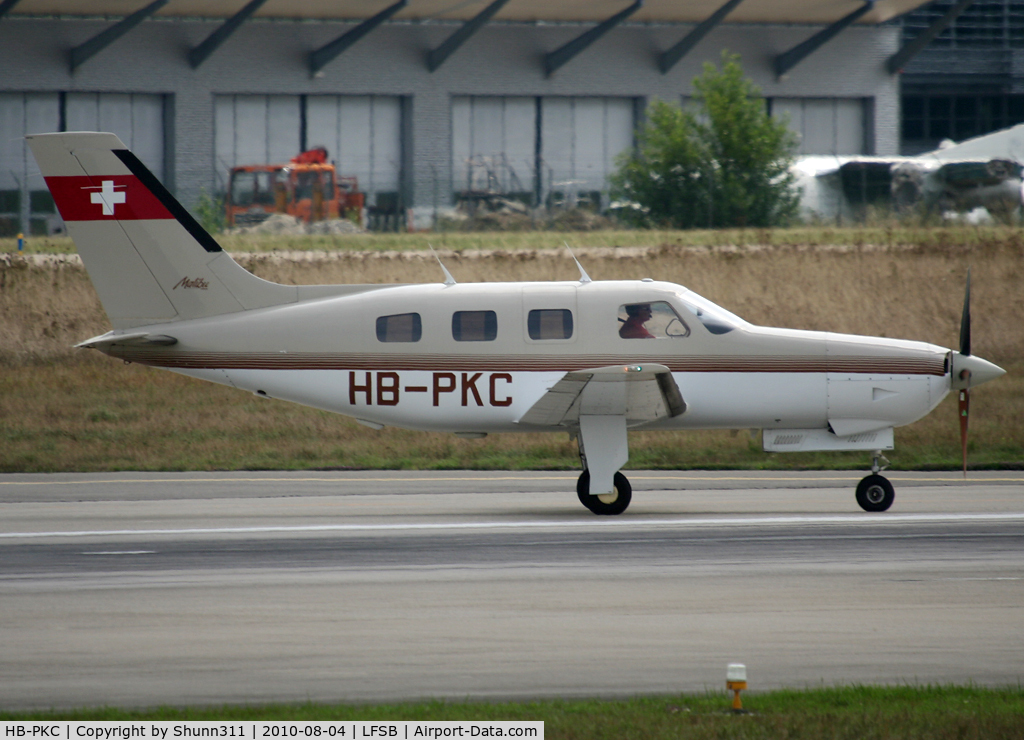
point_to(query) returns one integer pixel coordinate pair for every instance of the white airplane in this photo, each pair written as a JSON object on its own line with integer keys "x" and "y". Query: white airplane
{"x": 983, "y": 172}
{"x": 594, "y": 359}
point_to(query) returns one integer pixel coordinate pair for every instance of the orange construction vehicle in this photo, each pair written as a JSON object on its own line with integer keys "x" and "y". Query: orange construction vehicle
{"x": 307, "y": 188}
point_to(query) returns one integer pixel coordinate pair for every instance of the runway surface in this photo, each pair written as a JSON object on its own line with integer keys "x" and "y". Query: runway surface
{"x": 136, "y": 589}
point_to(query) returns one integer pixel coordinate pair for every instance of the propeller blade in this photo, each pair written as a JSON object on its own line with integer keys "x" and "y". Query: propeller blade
{"x": 965, "y": 374}
{"x": 965, "y": 405}
{"x": 965, "y": 319}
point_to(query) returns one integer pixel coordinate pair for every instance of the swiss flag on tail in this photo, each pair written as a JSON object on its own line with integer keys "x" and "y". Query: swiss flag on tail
{"x": 113, "y": 198}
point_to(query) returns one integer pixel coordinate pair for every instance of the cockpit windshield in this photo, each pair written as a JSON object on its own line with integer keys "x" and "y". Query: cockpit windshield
{"x": 714, "y": 318}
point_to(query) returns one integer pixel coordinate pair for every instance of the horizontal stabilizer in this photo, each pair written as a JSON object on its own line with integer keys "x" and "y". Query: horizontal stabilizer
{"x": 139, "y": 338}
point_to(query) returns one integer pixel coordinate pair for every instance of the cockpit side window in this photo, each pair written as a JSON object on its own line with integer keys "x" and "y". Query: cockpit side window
{"x": 549, "y": 323}
{"x": 653, "y": 320}
{"x": 474, "y": 326}
{"x": 402, "y": 327}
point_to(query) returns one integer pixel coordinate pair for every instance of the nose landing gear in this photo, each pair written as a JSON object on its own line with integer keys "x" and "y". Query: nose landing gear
{"x": 875, "y": 492}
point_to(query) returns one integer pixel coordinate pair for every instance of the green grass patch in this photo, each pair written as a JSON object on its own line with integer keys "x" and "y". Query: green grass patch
{"x": 854, "y": 712}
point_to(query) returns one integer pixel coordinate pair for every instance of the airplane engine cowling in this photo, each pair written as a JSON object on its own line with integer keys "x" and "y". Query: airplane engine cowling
{"x": 857, "y": 403}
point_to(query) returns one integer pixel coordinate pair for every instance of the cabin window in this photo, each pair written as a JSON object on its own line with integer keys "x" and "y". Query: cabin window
{"x": 474, "y": 326}
{"x": 402, "y": 327}
{"x": 549, "y": 323}
{"x": 650, "y": 320}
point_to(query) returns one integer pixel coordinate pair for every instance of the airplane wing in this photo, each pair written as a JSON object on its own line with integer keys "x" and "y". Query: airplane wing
{"x": 640, "y": 393}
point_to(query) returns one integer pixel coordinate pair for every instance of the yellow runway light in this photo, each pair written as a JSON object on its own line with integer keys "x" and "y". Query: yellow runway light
{"x": 736, "y": 681}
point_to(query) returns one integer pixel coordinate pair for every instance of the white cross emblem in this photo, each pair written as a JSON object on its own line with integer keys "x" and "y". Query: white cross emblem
{"x": 108, "y": 197}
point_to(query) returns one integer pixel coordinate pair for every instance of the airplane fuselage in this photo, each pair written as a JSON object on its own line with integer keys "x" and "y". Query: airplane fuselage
{"x": 330, "y": 353}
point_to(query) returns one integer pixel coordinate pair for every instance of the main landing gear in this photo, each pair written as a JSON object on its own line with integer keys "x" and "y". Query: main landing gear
{"x": 875, "y": 492}
{"x": 601, "y": 487}
{"x": 605, "y": 503}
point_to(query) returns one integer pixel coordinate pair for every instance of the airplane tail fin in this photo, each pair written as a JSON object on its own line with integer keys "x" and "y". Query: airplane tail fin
{"x": 150, "y": 261}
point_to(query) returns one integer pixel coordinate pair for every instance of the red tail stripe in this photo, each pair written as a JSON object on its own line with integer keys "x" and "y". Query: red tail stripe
{"x": 105, "y": 198}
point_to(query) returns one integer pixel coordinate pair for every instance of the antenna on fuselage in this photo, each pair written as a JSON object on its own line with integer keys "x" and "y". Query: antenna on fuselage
{"x": 448, "y": 279}
{"x": 584, "y": 277}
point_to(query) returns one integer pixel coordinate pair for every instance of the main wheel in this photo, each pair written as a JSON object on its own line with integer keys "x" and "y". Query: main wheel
{"x": 875, "y": 493}
{"x": 605, "y": 503}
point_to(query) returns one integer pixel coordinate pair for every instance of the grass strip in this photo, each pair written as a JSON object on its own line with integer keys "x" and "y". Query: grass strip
{"x": 854, "y": 712}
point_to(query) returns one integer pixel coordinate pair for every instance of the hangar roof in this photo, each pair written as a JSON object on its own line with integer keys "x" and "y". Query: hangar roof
{"x": 653, "y": 11}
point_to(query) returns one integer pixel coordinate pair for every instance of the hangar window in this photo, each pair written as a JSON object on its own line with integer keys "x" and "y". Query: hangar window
{"x": 825, "y": 125}
{"x": 653, "y": 320}
{"x": 25, "y": 203}
{"x": 550, "y": 323}
{"x": 474, "y": 326}
{"x": 402, "y": 327}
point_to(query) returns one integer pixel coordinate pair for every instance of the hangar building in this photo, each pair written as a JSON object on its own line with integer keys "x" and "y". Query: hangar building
{"x": 420, "y": 98}
{"x": 969, "y": 79}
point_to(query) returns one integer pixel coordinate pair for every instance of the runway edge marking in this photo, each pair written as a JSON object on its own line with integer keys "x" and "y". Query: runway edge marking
{"x": 856, "y": 519}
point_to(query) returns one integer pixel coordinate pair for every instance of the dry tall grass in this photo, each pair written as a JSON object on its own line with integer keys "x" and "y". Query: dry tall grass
{"x": 47, "y": 302}
{"x": 66, "y": 409}
{"x": 885, "y": 232}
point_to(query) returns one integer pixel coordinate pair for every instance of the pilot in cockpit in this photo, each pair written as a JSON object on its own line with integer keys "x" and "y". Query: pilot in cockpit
{"x": 637, "y": 314}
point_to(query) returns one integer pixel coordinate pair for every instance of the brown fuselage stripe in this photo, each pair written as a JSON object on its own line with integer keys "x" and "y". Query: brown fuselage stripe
{"x": 526, "y": 363}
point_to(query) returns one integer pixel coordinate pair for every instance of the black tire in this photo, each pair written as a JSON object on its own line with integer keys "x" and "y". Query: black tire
{"x": 623, "y": 495}
{"x": 875, "y": 493}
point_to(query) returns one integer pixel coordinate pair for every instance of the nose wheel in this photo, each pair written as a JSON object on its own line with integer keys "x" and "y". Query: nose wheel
{"x": 612, "y": 503}
{"x": 875, "y": 493}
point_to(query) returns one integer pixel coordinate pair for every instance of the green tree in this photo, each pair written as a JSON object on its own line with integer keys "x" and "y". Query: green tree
{"x": 725, "y": 163}
{"x": 209, "y": 212}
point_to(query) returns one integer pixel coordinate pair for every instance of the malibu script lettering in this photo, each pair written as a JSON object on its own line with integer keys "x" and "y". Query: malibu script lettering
{"x": 187, "y": 282}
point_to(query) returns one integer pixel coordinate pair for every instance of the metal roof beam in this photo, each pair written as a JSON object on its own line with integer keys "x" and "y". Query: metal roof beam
{"x": 912, "y": 48}
{"x": 437, "y": 56}
{"x": 560, "y": 56}
{"x": 325, "y": 54}
{"x": 669, "y": 59}
{"x": 6, "y": 5}
{"x": 105, "y": 38}
{"x": 787, "y": 60}
{"x": 212, "y": 42}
